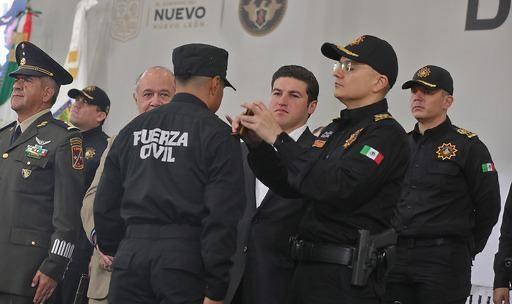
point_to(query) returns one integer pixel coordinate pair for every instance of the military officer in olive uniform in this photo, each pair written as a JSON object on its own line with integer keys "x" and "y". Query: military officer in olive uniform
{"x": 88, "y": 113}
{"x": 41, "y": 182}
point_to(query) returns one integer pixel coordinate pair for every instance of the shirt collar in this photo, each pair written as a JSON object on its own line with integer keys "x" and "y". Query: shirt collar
{"x": 27, "y": 122}
{"x": 437, "y": 130}
{"x": 188, "y": 98}
{"x": 295, "y": 134}
{"x": 359, "y": 114}
{"x": 93, "y": 130}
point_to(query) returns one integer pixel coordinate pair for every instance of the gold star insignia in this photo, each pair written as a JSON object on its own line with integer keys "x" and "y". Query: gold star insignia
{"x": 357, "y": 41}
{"x": 423, "y": 72}
{"x": 446, "y": 151}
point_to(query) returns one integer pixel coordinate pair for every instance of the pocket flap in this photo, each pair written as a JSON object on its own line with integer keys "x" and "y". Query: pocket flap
{"x": 29, "y": 237}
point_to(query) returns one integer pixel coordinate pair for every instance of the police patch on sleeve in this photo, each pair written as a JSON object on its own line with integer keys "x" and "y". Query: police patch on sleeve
{"x": 77, "y": 157}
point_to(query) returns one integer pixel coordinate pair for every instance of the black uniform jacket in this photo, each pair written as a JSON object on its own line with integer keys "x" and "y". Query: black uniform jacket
{"x": 351, "y": 175}
{"x": 451, "y": 187}
{"x": 177, "y": 164}
{"x": 503, "y": 258}
{"x": 262, "y": 266}
{"x": 95, "y": 142}
{"x": 42, "y": 187}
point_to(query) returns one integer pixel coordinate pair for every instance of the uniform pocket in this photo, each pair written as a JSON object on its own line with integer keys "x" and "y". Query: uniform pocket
{"x": 30, "y": 237}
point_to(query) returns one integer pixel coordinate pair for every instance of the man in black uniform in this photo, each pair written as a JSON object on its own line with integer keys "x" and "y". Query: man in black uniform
{"x": 174, "y": 179}
{"x": 350, "y": 176}
{"x": 503, "y": 258}
{"x": 41, "y": 183}
{"x": 450, "y": 200}
{"x": 262, "y": 269}
{"x": 88, "y": 113}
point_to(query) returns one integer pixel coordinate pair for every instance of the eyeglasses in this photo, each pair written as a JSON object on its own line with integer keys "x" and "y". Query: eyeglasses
{"x": 345, "y": 66}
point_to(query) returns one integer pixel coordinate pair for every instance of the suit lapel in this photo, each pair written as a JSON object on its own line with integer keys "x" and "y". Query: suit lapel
{"x": 30, "y": 132}
{"x": 250, "y": 182}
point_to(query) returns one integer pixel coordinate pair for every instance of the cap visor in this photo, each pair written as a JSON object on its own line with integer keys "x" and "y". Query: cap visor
{"x": 74, "y": 93}
{"x": 412, "y": 83}
{"x": 27, "y": 72}
{"x": 228, "y": 84}
{"x": 331, "y": 51}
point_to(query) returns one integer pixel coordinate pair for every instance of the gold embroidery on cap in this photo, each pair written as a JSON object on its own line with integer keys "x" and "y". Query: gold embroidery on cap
{"x": 357, "y": 41}
{"x": 23, "y": 61}
{"x": 423, "y": 72}
{"x": 426, "y": 83}
{"x": 347, "y": 51}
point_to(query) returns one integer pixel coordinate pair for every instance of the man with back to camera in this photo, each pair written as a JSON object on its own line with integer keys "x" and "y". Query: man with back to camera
{"x": 171, "y": 174}
{"x": 41, "y": 181}
{"x": 350, "y": 176}
{"x": 450, "y": 200}
{"x": 153, "y": 88}
{"x": 262, "y": 269}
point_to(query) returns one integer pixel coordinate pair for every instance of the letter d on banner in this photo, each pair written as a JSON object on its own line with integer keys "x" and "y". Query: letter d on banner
{"x": 474, "y": 24}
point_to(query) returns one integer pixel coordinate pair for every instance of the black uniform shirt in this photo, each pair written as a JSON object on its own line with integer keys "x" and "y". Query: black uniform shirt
{"x": 351, "y": 175}
{"x": 177, "y": 164}
{"x": 95, "y": 142}
{"x": 503, "y": 274}
{"x": 451, "y": 187}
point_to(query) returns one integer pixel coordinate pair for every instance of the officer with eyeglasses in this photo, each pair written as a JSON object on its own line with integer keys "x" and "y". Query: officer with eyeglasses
{"x": 350, "y": 176}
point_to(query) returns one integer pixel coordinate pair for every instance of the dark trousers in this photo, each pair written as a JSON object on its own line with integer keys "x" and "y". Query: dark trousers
{"x": 434, "y": 274}
{"x": 162, "y": 270}
{"x": 322, "y": 283}
{"x": 6, "y": 298}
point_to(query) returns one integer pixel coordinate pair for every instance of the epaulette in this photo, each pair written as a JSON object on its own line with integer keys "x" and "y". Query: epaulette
{"x": 64, "y": 125}
{"x": 465, "y": 132}
{"x": 382, "y": 116}
{"x": 12, "y": 124}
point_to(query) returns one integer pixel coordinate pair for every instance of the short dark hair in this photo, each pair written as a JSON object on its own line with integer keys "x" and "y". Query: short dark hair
{"x": 300, "y": 73}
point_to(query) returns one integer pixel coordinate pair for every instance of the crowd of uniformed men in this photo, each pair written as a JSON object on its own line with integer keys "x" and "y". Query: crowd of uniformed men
{"x": 176, "y": 209}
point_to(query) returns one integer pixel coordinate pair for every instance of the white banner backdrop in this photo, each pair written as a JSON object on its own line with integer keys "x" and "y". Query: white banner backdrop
{"x": 127, "y": 36}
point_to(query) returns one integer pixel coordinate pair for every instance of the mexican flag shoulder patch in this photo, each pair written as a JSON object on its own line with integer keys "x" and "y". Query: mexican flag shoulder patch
{"x": 372, "y": 154}
{"x": 488, "y": 167}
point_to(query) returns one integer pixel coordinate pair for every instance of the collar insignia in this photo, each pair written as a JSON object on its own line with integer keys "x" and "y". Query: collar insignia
{"x": 351, "y": 138}
{"x": 446, "y": 151}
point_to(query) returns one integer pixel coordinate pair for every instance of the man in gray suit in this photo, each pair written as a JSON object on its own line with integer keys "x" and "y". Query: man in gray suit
{"x": 262, "y": 269}
{"x": 41, "y": 182}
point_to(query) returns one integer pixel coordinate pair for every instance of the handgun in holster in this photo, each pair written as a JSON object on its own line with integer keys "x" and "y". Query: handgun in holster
{"x": 81, "y": 292}
{"x": 373, "y": 253}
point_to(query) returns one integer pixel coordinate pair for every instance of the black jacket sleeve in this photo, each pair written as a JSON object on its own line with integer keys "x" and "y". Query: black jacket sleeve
{"x": 502, "y": 274}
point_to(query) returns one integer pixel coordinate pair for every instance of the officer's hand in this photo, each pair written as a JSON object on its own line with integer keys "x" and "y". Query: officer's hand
{"x": 501, "y": 296}
{"x": 208, "y": 301}
{"x": 262, "y": 122}
{"x": 247, "y": 135}
{"x": 45, "y": 287}
{"x": 105, "y": 260}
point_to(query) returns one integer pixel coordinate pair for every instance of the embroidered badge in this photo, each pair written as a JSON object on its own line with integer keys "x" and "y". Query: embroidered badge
{"x": 357, "y": 41}
{"x": 488, "y": 167}
{"x": 446, "y": 151}
{"x": 382, "y": 116}
{"x": 42, "y": 124}
{"x": 423, "y": 72}
{"x": 326, "y": 134}
{"x": 319, "y": 143}
{"x": 90, "y": 152}
{"x": 26, "y": 172}
{"x": 372, "y": 154}
{"x": 351, "y": 138}
{"x": 42, "y": 142}
{"x": 77, "y": 158}
{"x": 23, "y": 61}
{"x": 36, "y": 151}
{"x": 469, "y": 134}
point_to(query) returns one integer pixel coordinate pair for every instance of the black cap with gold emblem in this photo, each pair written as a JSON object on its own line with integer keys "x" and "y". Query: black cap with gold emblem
{"x": 431, "y": 77}
{"x": 198, "y": 59}
{"x": 93, "y": 95}
{"x": 32, "y": 61}
{"x": 373, "y": 51}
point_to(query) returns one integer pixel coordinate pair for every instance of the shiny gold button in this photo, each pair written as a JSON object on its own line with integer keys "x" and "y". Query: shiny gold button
{"x": 33, "y": 243}
{"x": 28, "y": 163}
{"x": 5, "y": 155}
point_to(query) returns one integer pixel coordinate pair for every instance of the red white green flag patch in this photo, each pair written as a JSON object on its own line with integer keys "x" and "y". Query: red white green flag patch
{"x": 372, "y": 154}
{"x": 488, "y": 167}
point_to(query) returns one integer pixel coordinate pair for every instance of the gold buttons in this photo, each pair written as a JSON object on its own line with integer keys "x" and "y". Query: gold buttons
{"x": 5, "y": 155}
{"x": 33, "y": 243}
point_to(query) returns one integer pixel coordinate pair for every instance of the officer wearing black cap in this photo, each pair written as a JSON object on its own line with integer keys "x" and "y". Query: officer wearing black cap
{"x": 88, "y": 113}
{"x": 41, "y": 181}
{"x": 174, "y": 179}
{"x": 350, "y": 176}
{"x": 449, "y": 203}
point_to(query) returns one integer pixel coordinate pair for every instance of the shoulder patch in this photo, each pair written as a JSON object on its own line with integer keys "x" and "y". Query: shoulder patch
{"x": 382, "y": 116}
{"x": 465, "y": 132}
{"x": 64, "y": 125}
{"x": 77, "y": 157}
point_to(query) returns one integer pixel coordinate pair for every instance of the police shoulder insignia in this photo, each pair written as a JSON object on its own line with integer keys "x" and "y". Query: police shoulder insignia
{"x": 382, "y": 116}
{"x": 90, "y": 152}
{"x": 77, "y": 157}
{"x": 446, "y": 151}
{"x": 352, "y": 138}
{"x": 462, "y": 131}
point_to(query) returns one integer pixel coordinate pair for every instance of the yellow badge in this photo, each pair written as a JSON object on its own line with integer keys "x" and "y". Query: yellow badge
{"x": 26, "y": 172}
{"x": 23, "y": 61}
{"x": 319, "y": 143}
{"x": 446, "y": 151}
{"x": 90, "y": 152}
{"x": 469, "y": 134}
{"x": 351, "y": 138}
{"x": 42, "y": 124}
{"x": 423, "y": 72}
{"x": 357, "y": 41}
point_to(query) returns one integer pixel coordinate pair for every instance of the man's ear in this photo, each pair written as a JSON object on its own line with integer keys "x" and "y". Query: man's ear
{"x": 48, "y": 92}
{"x": 381, "y": 83}
{"x": 312, "y": 107}
{"x": 448, "y": 101}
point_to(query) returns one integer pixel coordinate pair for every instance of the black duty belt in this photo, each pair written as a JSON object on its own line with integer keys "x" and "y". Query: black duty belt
{"x": 326, "y": 253}
{"x": 411, "y": 242}
{"x": 162, "y": 231}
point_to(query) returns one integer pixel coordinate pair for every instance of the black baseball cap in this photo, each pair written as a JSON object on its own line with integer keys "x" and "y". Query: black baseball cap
{"x": 93, "y": 95}
{"x": 431, "y": 77}
{"x": 373, "y": 51}
{"x": 199, "y": 59}
{"x": 32, "y": 61}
